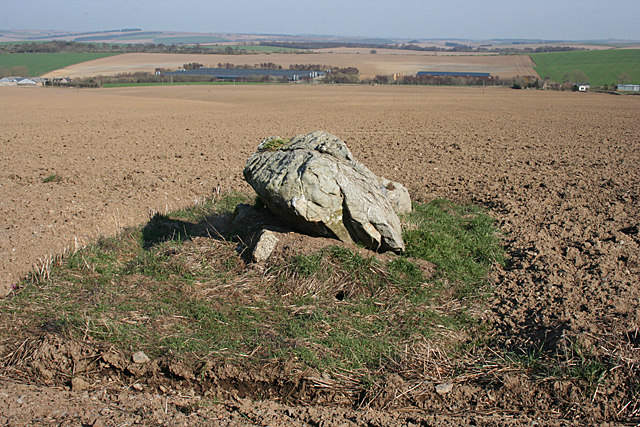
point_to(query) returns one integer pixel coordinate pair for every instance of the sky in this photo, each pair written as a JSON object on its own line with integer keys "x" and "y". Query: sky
{"x": 402, "y": 19}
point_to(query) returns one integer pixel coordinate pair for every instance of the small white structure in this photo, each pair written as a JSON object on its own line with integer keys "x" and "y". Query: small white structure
{"x": 26, "y": 82}
{"x": 583, "y": 87}
{"x": 629, "y": 88}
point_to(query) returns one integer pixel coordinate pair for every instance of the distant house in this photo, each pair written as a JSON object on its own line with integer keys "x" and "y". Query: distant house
{"x": 26, "y": 82}
{"x": 629, "y": 88}
{"x": 583, "y": 87}
{"x": 60, "y": 81}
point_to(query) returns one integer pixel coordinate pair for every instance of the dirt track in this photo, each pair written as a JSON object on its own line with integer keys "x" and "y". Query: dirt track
{"x": 370, "y": 65}
{"x": 558, "y": 170}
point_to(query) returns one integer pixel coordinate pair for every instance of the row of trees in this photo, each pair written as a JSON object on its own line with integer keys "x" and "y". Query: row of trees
{"x": 449, "y": 47}
{"x": 262, "y": 66}
{"x": 192, "y": 66}
{"x": 59, "y": 46}
{"x": 17, "y": 70}
{"x": 296, "y": 67}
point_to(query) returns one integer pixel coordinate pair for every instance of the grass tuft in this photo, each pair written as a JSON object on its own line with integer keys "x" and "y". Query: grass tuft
{"x": 52, "y": 178}
{"x": 273, "y": 144}
{"x": 461, "y": 241}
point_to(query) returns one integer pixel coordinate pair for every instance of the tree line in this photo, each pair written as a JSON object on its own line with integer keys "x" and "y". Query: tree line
{"x": 61, "y": 46}
{"x": 449, "y": 47}
{"x": 272, "y": 66}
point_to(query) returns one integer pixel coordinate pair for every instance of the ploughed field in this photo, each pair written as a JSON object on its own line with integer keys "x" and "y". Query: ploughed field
{"x": 559, "y": 171}
{"x": 369, "y": 65}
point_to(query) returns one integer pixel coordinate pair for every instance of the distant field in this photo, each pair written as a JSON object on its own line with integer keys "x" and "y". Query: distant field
{"x": 22, "y": 42}
{"x": 41, "y": 63}
{"x": 143, "y": 36}
{"x": 189, "y": 40}
{"x": 370, "y": 65}
{"x": 268, "y": 48}
{"x": 601, "y": 66}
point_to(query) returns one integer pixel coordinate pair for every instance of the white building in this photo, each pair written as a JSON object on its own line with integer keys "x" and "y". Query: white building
{"x": 629, "y": 88}
{"x": 26, "y": 82}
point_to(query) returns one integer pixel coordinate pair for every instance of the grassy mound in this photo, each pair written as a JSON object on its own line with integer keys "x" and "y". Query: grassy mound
{"x": 181, "y": 284}
{"x": 181, "y": 288}
{"x": 336, "y": 324}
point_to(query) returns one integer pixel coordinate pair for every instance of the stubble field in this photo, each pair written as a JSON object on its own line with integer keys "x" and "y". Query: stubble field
{"x": 558, "y": 170}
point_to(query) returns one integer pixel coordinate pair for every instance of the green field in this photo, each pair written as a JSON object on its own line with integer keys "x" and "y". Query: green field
{"x": 37, "y": 64}
{"x": 600, "y": 66}
{"x": 23, "y": 42}
{"x": 188, "y": 40}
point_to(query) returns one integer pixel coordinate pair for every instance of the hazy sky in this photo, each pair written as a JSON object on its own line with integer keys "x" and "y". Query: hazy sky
{"x": 468, "y": 19}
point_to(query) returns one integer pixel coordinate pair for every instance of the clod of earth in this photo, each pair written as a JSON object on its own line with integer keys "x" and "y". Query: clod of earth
{"x": 315, "y": 184}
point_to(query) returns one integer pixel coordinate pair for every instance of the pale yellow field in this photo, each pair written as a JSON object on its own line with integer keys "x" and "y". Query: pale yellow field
{"x": 370, "y": 65}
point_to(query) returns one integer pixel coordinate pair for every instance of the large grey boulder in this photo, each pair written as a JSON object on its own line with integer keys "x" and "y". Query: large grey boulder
{"x": 314, "y": 183}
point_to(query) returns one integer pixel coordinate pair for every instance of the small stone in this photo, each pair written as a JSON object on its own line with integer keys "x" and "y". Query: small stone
{"x": 140, "y": 357}
{"x": 266, "y": 244}
{"x": 138, "y": 386}
{"x": 443, "y": 389}
{"x": 163, "y": 389}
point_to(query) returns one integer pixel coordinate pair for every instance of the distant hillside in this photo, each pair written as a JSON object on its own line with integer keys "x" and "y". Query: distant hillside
{"x": 599, "y": 66}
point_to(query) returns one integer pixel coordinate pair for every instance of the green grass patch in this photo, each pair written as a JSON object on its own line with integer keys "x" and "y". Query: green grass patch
{"x": 273, "y": 144}
{"x": 181, "y": 285}
{"x": 37, "y": 64}
{"x": 52, "y": 178}
{"x": 600, "y": 66}
{"x": 461, "y": 241}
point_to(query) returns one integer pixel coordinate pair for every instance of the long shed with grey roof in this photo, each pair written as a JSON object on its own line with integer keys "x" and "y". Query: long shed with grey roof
{"x": 452, "y": 74}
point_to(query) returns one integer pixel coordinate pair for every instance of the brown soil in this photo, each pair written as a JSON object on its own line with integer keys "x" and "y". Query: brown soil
{"x": 370, "y": 65}
{"x": 558, "y": 170}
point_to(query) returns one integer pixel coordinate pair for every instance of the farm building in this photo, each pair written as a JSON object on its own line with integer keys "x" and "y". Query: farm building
{"x": 583, "y": 87}
{"x": 629, "y": 88}
{"x": 452, "y": 74}
{"x": 22, "y": 81}
{"x": 26, "y": 82}
{"x": 240, "y": 73}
